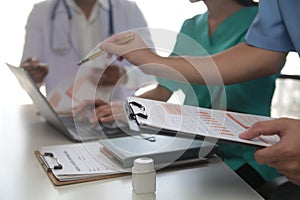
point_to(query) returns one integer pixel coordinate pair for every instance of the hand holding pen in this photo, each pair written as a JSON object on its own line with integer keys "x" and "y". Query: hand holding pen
{"x": 119, "y": 41}
{"x": 136, "y": 51}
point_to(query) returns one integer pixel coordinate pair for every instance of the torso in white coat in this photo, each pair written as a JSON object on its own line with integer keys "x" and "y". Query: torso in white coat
{"x": 63, "y": 65}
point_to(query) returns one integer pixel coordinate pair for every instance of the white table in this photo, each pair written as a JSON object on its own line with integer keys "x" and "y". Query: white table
{"x": 22, "y": 177}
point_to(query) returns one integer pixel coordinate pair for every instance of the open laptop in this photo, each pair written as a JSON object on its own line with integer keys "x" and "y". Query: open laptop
{"x": 77, "y": 132}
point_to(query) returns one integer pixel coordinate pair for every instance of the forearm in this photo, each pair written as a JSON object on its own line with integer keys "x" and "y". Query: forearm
{"x": 238, "y": 64}
{"x": 159, "y": 93}
{"x": 244, "y": 62}
{"x": 174, "y": 68}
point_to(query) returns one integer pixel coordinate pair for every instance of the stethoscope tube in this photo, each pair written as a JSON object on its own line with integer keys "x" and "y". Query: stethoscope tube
{"x": 66, "y": 7}
{"x": 68, "y": 10}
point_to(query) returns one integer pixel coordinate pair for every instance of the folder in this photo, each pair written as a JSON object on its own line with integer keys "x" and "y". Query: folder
{"x": 214, "y": 125}
{"x": 57, "y": 162}
{"x": 166, "y": 151}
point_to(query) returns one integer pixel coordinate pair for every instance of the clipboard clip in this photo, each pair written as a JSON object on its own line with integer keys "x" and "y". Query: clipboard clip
{"x": 132, "y": 114}
{"x": 50, "y": 162}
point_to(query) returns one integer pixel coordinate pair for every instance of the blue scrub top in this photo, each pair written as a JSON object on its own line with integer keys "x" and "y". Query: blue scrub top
{"x": 276, "y": 26}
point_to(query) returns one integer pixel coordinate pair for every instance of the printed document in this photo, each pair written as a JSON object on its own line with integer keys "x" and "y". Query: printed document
{"x": 197, "y": 121}
{"x": 80, "y": 161}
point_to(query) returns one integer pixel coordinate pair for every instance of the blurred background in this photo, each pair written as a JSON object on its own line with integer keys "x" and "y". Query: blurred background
{"x": 166, "y": 14}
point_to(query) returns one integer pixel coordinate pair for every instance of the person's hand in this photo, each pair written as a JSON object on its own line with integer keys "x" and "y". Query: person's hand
{"x": 135, "y": 51}
{"x": 103, "y": 111}
{"x": 36, "y": 70}
{"x": 285, "y": 155}
{"x": 108, "y": 113}
{"x": 109, "y": 77}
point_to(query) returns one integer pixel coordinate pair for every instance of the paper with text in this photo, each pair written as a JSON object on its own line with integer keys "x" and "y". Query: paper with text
{"x": 200, "y": 121}
{"x": 81, "y": 161}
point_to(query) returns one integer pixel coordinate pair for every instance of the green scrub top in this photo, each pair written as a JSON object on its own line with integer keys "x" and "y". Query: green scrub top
{"x": 252, "y": 97}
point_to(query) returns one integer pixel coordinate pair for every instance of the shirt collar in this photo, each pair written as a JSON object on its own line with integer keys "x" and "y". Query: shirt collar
{"x": 103, "y": 3}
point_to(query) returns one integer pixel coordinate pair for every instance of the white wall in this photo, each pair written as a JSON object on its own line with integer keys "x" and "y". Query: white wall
{"x": 13, "y": 17}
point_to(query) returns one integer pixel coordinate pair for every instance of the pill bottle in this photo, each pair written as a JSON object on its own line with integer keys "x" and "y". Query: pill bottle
{"x": 146, "y": 196}
{"x": 143, "y": 176}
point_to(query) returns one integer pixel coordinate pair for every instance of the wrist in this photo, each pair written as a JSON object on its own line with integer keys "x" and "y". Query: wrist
{"x": 142, "y": 57}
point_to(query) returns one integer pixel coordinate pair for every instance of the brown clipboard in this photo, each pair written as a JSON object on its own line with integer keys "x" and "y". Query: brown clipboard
{"x": 57, "y": 182}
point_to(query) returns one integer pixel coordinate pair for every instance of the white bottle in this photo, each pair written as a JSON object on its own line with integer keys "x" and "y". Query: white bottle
{"x": 143, "y": 176}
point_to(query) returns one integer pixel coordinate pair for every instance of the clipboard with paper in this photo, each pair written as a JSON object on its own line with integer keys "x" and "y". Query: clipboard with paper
{"x": 85, "y": 162}
{"x": 220, "y": 125}
{"x": 77, "y": 163}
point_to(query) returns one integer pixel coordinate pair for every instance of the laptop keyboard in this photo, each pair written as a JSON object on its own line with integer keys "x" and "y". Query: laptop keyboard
{"x": 86, "y": 131}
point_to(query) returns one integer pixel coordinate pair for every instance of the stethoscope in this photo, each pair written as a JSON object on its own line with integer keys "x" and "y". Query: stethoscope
{"x": 63, "y": 50}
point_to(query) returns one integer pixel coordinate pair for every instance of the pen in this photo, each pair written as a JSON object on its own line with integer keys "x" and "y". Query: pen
{"x": 123, "y": 40}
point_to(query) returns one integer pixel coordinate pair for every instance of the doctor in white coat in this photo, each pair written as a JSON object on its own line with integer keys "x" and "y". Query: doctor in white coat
{"x": 59, "y": 33}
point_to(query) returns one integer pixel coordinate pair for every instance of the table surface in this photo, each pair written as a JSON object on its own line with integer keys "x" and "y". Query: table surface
{"x": 22, "y": 177}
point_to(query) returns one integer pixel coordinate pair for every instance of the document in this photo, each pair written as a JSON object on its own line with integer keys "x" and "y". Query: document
{"x": 78, "y": 162}
{"x": 218, "y": 124}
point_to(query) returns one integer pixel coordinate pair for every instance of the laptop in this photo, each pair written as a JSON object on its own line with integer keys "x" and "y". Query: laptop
{"x": 164, "y": 150}
{"x": 67, "y": 125}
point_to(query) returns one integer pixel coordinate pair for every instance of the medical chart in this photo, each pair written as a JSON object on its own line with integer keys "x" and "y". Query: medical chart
{"x": 197, "y": 121}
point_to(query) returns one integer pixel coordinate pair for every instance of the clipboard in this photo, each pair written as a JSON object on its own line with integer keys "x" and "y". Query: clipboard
{"x": 217, "y": 125}
{"x": 50, "y": 163}
{"x": 44, "y": 159}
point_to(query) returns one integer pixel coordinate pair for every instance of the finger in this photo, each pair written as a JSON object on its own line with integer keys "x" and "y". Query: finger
{"x": 269, "y": 155}
{"x": 294, "y": 177}
{"x": 109, "y": 48}
{"x": 292, "y": 174}
{"x": 287, "y": 165}
{"x": 32, "y": 59}
{"x": 30, "y": 62}
{"x": 35, "y": 71}
{"x": 103, "y": 111}
{"x": 100, "y": 102}
{"x": 106, "y": 119}
{"x": 38, "y": 74}
{"x": 28, "y": 65}
{"x": 100, "y": 112}
{"x": 38, "y": 78}
{"x": 270, "y": 127}
{"x": 29, "y": 59}
{"x": 119, "y": 36}
{"x": 35, "y": 62}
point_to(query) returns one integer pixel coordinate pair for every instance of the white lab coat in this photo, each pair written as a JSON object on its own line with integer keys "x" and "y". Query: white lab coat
{"x": 126, "y": 15}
